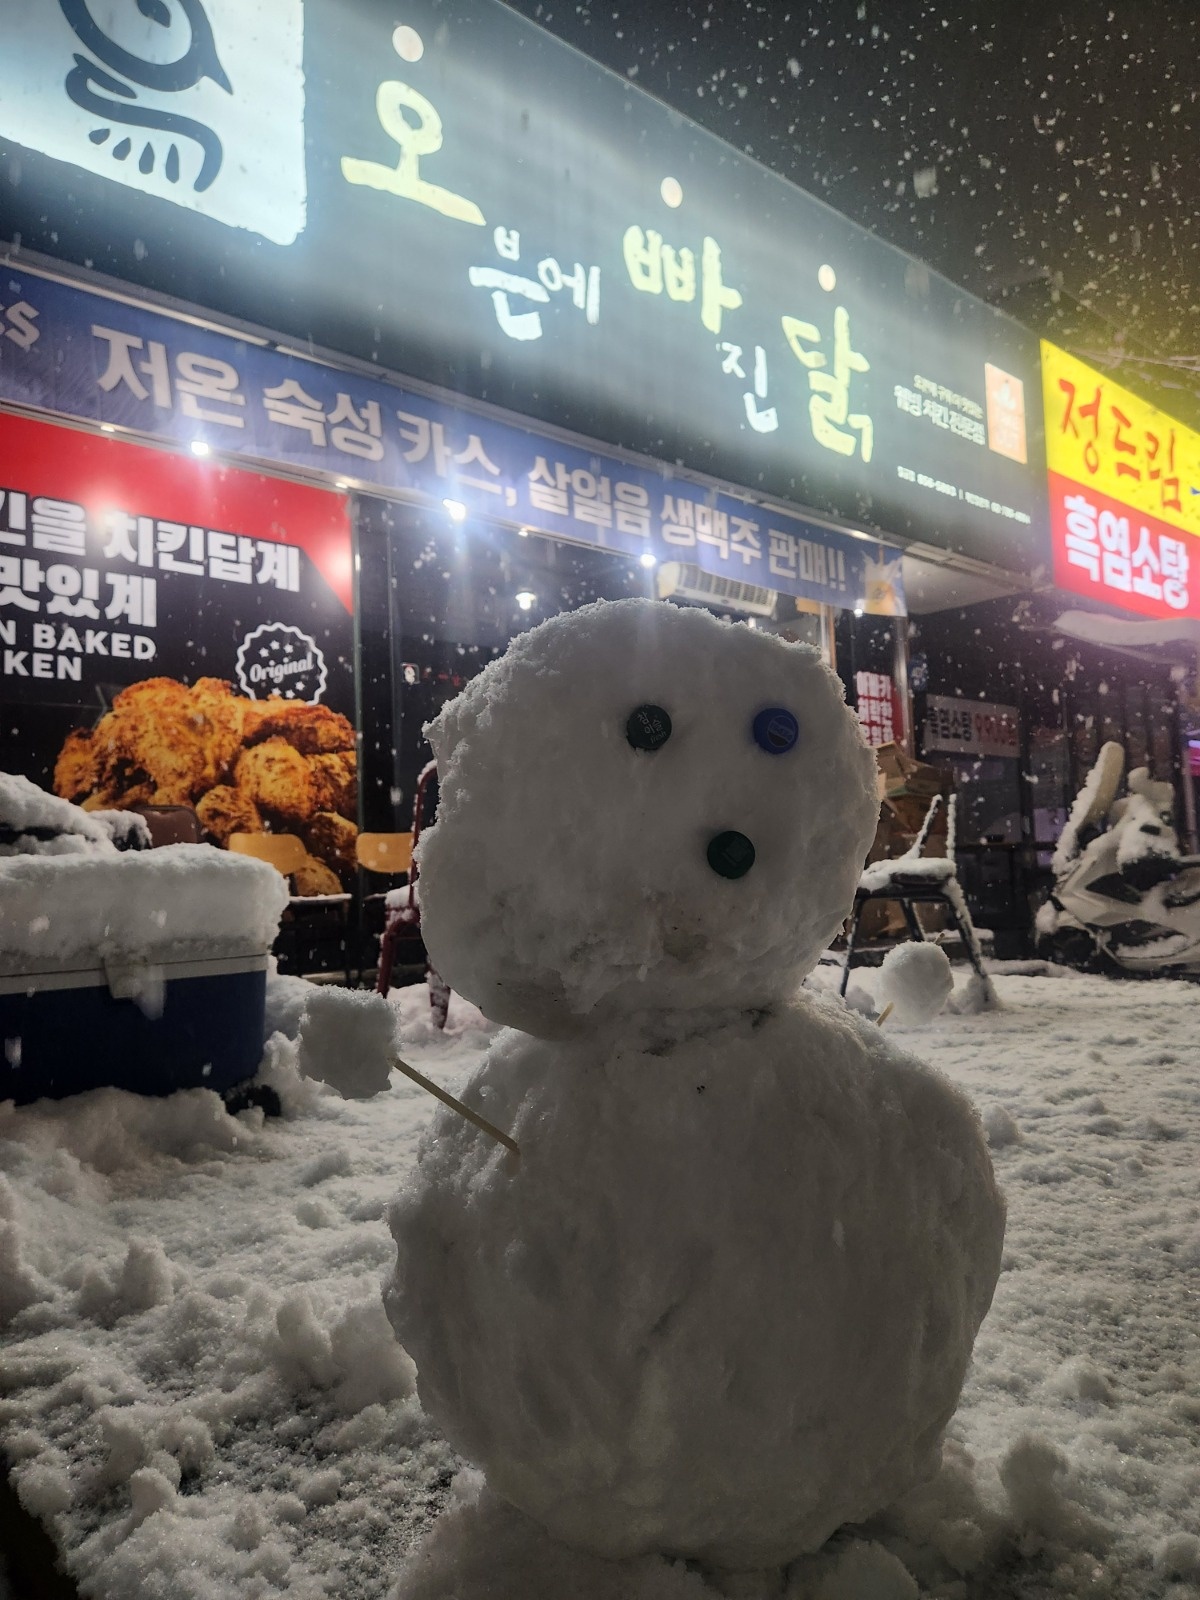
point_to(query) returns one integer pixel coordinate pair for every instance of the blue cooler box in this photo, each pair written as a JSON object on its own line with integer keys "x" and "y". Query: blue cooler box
{"x": 148, "y": 1027}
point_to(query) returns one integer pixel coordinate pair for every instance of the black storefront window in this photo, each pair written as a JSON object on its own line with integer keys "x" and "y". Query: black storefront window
{"x": 438, "y": 600}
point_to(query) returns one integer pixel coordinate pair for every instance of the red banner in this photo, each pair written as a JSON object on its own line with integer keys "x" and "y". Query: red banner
{"x": 103, "y": 475}
{"x": 1111, "y": 552}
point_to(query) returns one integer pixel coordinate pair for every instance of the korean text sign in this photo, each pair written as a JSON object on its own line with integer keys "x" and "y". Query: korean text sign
{"x": 1124, "y": 483}
{"x": 463, "y": 199}
{"x": 65, "y": 350}
{"x": 119, "y": 562}
{"x": 971, "y": 727}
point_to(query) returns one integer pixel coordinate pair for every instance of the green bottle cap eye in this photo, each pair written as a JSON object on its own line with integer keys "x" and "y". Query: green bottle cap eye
{"x": 648, "y": 728}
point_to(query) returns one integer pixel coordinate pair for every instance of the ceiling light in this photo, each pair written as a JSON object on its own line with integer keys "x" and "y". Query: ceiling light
{"x": 199, "y": 448}
{"x": 526, "y": 599}
{"x": 455, "y": 510}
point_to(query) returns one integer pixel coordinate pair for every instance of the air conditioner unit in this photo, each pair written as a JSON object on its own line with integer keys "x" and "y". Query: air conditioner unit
{"x": 678, "y": 580}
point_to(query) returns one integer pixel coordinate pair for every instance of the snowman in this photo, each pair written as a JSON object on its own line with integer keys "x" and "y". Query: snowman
{"x": 725, "y": 1300}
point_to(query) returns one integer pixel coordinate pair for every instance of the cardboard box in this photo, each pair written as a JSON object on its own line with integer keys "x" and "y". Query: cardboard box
{"x": 907, "y": 789}
{"x": 900, "y": 773}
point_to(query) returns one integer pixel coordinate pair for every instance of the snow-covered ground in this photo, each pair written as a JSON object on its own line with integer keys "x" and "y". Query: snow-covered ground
{"x": 200, "y": 1394}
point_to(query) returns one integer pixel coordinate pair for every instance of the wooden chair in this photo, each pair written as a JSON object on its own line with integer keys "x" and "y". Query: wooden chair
{"x": 283, "y": 851}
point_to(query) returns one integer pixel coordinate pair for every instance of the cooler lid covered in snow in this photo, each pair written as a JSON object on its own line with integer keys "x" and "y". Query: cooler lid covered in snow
{"x": 181, "y": 901}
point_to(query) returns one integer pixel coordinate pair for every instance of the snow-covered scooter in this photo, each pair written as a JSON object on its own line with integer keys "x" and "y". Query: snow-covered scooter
{"x": 1124, "y": 899}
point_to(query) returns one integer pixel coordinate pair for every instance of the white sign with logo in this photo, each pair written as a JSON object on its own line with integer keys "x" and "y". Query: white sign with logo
{"x": 279, "y": 659}
{"x": 971, "y": 727}
{"x": 199, "y": 102}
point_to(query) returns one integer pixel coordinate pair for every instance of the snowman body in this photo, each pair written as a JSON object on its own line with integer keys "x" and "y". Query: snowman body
{"x": 726, "y": 1299}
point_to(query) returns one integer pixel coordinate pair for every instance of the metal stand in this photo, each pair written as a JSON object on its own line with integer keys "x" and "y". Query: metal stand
{"x": 909, "y": 893}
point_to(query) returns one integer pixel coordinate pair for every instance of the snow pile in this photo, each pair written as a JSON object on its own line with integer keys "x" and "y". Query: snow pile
{"x": 347, "y": 1040}
{"x": 33, "y": 822}
{"x": 928, "y": 870}
{"x": 1090, "y": 804}
{"x": 155, "y": 904}
{"x": 546, "y": 897}
{"x": 647, "y": 1378}
{"x": 128, "y": 830}
{"x": 916, "y": 980}
{"x": 285, "y": 1000}
{"x": 202, "y": 1393}
{"x": 1069, "y": 1471}
{"x": 1146, "y": 822}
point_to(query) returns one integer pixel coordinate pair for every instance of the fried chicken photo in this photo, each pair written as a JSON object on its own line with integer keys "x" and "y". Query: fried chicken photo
{"x": 335, "y": 782}
{"x": 313, "y": 730}
{"x": 152, "y": 740}
{"x": 275, "y": 776}
{"x": 332, "y": 839}
{"x": 314, "y": 877}
{"x": 222, "y": 720}
{"x": 77, "y": 771}
{"x": 225, "y": 810}
{"x": 246, "y": 766}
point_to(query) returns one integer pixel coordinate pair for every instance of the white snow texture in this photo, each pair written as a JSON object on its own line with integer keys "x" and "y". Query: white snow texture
{"x": 916, "y": 980}
{"x": 346, "y": 1040}
{"x": 726, "y": 1300}
{"x": 182, "y": 898}
{"x": 566, "y": 874}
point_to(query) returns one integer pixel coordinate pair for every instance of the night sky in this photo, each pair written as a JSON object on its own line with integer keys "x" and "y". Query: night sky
{"x": 995, "y": 141}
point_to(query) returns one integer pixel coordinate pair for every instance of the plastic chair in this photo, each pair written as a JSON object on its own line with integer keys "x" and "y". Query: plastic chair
{"x": 385, "y": 853}
{"x": 284, "y": 851}
{"x": 310, "y": 921}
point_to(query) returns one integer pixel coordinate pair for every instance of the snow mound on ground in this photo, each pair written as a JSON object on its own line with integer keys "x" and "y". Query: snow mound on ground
{"x": 916, "y": 980}
{"x": 591, "y": 1329}
{"x": 347, "y": 1040}
{"x": 286, "y": 997}
{"x": 594, "y": 889}
{"x": 482, "y": 1549}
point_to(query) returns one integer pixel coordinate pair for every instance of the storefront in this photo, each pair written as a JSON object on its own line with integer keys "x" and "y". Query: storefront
{"x": 1014, "y": 695}
{"x": 354, "y": 373}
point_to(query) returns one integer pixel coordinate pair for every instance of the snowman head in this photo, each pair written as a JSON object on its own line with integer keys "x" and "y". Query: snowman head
{"x": 642, "y": 807}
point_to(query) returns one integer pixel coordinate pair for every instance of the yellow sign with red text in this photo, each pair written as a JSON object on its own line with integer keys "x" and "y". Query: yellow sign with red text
{"x": 1101, "y": 436}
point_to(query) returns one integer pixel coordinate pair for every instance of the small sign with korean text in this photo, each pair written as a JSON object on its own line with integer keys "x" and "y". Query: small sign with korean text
{"x": 971, "y": 727}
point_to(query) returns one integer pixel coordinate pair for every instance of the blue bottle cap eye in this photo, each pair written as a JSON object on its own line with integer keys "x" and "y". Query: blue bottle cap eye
{"x": 648, "y": 728}
{"x": 775, "y": 730}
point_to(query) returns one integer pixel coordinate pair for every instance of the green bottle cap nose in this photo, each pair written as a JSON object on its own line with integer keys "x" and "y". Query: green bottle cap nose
{"x": 730, "y": 854}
